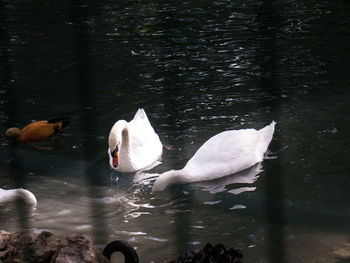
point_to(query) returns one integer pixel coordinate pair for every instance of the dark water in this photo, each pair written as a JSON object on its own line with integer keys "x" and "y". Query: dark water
{"x": 198, "y": 68}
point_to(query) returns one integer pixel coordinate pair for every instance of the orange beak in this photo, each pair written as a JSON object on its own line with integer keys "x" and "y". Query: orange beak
{"x": 116, "y": 159}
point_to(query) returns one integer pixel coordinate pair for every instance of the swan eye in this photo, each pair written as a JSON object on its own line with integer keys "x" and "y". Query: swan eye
{"x": 114, "y": 152}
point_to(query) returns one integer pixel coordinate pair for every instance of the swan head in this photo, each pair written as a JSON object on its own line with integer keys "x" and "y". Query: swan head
{"x": 168, "y": 178}
{"x": 114, "y": 143}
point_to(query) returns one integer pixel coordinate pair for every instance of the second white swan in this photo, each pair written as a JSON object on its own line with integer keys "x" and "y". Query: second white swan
{"x": 223, "y": 154}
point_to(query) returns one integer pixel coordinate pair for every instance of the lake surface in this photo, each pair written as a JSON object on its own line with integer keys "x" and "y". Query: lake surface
{"x": 197, "y": 68}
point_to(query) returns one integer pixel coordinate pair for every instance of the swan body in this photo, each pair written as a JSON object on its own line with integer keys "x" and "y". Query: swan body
{"x": 133, "y": 145}
{"x": 223, "y": 154}
{"x": 13, "y": 195}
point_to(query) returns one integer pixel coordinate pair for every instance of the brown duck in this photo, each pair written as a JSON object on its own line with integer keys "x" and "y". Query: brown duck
{"x": 38, "y": 130}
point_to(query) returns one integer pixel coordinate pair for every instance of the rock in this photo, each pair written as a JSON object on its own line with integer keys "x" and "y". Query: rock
{"x": 79, "y": 248}
{"x": 210, "y": 254}
{"x": 45, "y": 247}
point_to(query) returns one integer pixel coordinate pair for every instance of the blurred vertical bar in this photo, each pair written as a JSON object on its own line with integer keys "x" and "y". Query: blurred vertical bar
{"x": 80, "y": 14}
{"x": 8, "y": 96}
{"x": 268, "y": 19}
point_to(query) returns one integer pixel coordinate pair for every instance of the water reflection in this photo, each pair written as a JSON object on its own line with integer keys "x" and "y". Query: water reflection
{"x": 248, "y": 176}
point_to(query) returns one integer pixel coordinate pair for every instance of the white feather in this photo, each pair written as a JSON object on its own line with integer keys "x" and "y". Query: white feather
{"x": 13, "y": 195}
{"x": 223, "y": 154}
{"x": 139, "y": 145}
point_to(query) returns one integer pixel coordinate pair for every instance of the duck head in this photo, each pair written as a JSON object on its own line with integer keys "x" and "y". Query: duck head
{"x": 114, "y": 142}
{"x": 13, "y": 133}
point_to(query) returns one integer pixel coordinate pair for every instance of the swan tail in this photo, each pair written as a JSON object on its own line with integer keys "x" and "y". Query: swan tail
{"x": 141, "y": 114}
{"x": 266, "y": 135}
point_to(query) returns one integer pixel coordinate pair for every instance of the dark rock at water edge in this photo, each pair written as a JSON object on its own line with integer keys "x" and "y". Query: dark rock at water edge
{"x": 23, "y": 246}
{"x": 210, "y": 254}
{"x": 45, "y": 247}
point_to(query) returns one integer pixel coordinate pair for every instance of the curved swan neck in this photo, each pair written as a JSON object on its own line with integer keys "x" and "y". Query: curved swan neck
{"x": 125, "y": 147}
{"x": 115, "y": 135}
{"x": 167, "y": 178}
{"x": 125, "y": 155}
{"x": 125, "y": 140}
{"x": 17, "y": 194}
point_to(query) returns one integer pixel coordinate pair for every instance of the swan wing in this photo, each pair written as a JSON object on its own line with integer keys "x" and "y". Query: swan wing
{"x": 223, "y": 154}
{"x": 146, "y": 147}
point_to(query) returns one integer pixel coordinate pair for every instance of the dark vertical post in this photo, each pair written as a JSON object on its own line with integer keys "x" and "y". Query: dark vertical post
{"x": 9, "y": 93}
{"x": 268, "y": 24}
{"x": 80, "y": 14}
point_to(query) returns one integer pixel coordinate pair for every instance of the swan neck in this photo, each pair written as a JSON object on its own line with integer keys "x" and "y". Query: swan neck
{"x": 125, "y": 155}
{"x": 17, "y": 194}
{"x": 125, "y": 144}
{"x": 168, "y": 178}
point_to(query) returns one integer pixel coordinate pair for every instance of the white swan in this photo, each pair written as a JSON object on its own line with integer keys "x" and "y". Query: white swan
{"x": 13, "y": 195}
{"x": 223, "y": 154}
{"x": 133, "y": 145}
